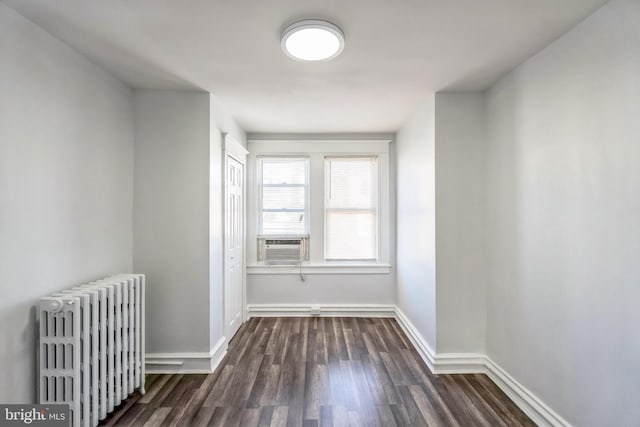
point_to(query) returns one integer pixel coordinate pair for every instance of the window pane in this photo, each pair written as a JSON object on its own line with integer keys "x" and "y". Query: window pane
{"x": 351, "y": 235}
{"x": 284, "y": 171}
{"x": 283, "y": 223}
{"x": 351, "y": 208}
{"x": 351, "y": 183}
{"x": 283, "y": 198}
{"x": 284, "y": 195}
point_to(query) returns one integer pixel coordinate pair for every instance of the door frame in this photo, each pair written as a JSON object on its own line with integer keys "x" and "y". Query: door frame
{"x": 231, "y": 148}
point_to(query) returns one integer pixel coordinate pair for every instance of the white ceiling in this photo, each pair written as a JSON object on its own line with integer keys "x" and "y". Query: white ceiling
{"x": 397, "y": 51}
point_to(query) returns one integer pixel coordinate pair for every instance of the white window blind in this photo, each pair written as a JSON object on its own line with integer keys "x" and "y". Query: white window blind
{"x": 284, "y": 196}
{"x": 351, "y": 208}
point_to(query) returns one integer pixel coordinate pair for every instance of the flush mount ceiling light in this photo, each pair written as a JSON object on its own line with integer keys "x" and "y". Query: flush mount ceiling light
{"x": 312, "y": 40}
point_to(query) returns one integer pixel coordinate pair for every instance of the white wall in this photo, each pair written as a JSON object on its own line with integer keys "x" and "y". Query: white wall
{"x": 564, "y": 204}
{"x": 416, "y": 258}
{"x": 171, "y": 217}
{"x": 460, "y": 207}
{"x": 178, "y": 216}
{"x": 321, "y": 289}
{"x": 66, "y": 154}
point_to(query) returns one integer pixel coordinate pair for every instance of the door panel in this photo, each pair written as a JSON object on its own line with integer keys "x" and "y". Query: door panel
{"x": 234, "y": 246}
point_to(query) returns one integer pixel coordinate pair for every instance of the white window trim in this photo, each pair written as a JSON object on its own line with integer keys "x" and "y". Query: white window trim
{"x": 326, "y": 268}
{"x": 316, "y": 151}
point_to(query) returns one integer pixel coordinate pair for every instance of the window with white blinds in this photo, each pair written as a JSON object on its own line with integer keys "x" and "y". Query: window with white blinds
{"x": 351, "y": 208}
{"x": 284, "y": 186}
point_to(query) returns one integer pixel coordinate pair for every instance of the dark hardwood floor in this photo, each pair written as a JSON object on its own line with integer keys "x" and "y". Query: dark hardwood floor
{"x": 320, "y": 372}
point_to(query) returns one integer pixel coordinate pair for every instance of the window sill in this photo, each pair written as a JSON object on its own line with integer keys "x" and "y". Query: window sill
{"x": 320, "y": 269}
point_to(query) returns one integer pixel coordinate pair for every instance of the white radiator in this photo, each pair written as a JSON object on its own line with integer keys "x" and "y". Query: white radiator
{"x": 92, "y": 346}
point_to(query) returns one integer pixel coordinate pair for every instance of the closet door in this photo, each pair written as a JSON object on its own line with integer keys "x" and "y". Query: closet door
{"x": 234, "y": 238}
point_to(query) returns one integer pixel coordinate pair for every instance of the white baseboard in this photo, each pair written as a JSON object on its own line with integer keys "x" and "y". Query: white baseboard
{"x": 473, "y": 363}
{"x": 459, "y": 363}
{"x": 530, "y": 404}
{"x": 322, "y": 310}
{"x": 218, "y": 352}
{"x": 424, "y": 349}
{"x": 186, "y": 363}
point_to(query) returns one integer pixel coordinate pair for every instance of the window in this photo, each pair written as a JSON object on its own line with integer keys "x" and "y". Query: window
{"x": 351, "y": 208}
{"x": 284, "y": 195}
{"x": 332, "y": 195}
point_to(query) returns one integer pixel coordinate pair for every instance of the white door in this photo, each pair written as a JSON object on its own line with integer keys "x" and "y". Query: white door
{"x": 234, "y": 246}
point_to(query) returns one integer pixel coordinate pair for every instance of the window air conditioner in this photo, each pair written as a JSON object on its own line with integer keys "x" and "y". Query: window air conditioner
{"x": 282, "y": 250}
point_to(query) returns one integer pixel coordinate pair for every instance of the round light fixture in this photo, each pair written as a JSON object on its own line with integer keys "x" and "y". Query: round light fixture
{"x": 312, "y": 40}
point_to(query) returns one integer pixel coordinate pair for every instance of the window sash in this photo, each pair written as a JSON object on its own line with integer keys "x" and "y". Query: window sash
{"x": 373, "y": 209}
{"x": 304, "y": 210}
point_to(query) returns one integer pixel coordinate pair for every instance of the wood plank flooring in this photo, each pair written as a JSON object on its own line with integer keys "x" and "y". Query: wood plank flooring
{"x": 318, "y": 372}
